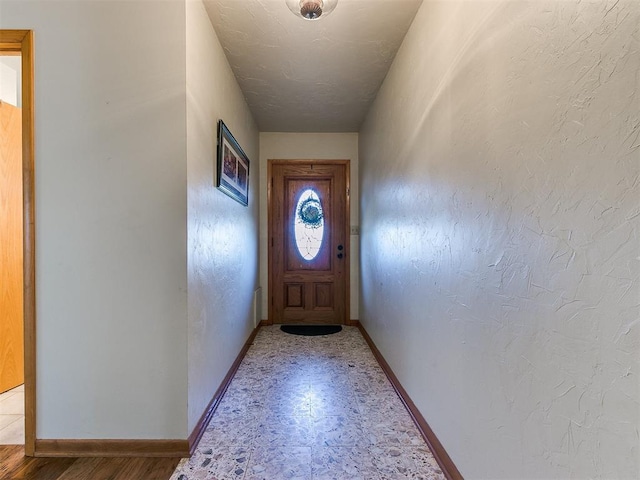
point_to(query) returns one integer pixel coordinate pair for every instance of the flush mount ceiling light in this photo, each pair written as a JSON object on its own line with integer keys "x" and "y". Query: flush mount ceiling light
{"x": 311, "y": 9}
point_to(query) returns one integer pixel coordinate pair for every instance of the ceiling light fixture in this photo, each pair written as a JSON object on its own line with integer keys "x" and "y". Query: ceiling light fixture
{"x": 311, "y": 9}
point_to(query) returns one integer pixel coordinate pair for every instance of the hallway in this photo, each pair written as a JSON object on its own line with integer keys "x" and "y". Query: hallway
{"x": 492, "y": 241}
{"x": 310, "y": 408}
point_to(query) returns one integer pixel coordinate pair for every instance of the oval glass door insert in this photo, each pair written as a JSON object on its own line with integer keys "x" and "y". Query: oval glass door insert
{"x": 308, "y": 225}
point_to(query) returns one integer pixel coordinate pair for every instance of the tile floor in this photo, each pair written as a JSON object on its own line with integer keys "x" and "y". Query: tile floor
{"x": 310, "y": 408}
{"x": 12, "y": 417}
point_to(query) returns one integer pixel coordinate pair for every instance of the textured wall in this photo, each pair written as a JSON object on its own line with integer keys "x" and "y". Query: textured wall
{"x": 500, "y": 171}
{"x": 110, "y": 216}
{"x": 222, "y": 234}
{"x": 332, "y": 146}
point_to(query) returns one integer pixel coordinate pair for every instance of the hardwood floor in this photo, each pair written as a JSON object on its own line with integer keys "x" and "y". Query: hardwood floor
{"x": 15, "y": 466}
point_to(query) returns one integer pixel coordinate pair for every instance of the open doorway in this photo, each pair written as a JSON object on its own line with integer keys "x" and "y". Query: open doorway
{"x": 18, "y": 258}
{"x": 11, "y": 254}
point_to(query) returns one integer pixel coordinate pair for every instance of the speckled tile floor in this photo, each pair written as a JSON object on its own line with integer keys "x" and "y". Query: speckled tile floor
{"x": 310, "y": 408}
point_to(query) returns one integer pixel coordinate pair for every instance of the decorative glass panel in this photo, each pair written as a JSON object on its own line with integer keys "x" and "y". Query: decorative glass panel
{"x": 308, "y": 224}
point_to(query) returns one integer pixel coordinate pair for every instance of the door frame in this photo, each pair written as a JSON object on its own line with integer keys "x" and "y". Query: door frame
{"x": 20, "y": 42}
{"x": 347, "y": 223}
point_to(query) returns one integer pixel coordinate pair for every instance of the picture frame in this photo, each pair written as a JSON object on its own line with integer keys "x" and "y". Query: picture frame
{"x": 233, "y": 166}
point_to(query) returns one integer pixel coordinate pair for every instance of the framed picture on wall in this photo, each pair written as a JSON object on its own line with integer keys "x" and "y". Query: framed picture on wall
{"x": 233, "y": 166}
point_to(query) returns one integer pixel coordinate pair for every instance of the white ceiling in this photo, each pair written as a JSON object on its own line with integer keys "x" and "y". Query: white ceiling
{"x": 310, "y": 76}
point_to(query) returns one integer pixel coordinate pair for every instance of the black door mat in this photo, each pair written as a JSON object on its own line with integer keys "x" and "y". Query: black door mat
{"x": 311, "y": 330}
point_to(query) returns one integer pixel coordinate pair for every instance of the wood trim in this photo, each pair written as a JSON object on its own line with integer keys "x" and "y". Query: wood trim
{"x": 201, "y": 426}
{"x": 20, "y": 42}
{"x": 269, "y": 249}
{"x": 353, "y": 323}
{"x": 347, "y": 246}
{"x": 347, "y": 243}
{"x": 11, "y": 40}
{"x": 112, "y": 448}
{"x": 442, "y": 457}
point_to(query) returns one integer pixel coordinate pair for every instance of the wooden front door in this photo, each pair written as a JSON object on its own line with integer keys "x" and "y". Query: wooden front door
{"x": 308, "y": 245}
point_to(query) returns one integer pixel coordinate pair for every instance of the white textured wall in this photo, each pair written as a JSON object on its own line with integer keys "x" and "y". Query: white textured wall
{"x": 111, "y": 197}
{"x": 222, "y": 234}
{"x": 316, "y": 146}
{"x": 500, "y": 171}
